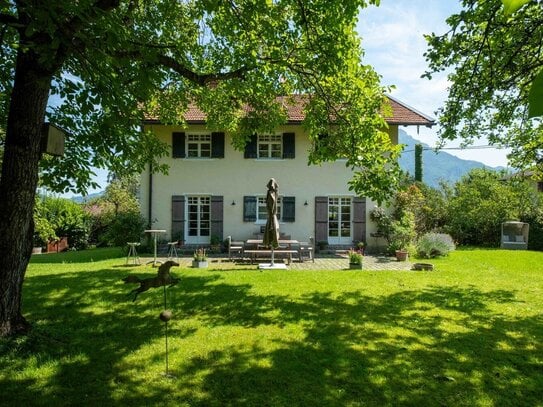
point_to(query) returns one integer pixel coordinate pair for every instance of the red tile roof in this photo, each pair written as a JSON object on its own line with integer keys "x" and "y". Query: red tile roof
{"x": 401, "y": 113}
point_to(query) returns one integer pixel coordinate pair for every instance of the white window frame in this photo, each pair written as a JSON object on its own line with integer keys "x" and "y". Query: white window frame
{"x": 200, "y": 140}
{"x": 265, "y": 142}
{"x": 261, "y": 211}
{"x": 340, "y": 202}
{"x": 201, "y": 223}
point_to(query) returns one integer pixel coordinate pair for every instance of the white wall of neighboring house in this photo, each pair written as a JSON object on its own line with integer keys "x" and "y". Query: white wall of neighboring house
{"x": 234, "y": 177}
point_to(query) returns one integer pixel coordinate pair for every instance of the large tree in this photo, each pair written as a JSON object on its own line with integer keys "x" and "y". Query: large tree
{"x": 108, "y": 63}
{"x": 493, "y": 55}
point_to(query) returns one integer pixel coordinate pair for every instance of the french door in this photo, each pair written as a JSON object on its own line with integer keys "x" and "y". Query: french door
{"x": 199, "y": 219}
{"x": 339, "y": 220}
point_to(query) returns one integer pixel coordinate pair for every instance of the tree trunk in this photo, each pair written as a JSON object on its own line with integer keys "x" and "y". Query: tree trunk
{"x": 18, "y": 185}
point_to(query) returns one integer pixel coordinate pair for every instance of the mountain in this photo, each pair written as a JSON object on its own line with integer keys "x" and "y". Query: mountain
{"x": 435, "y": 167}
{"x": 81, "y": 199}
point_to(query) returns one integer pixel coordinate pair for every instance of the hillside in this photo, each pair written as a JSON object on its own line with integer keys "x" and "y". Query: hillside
{"x": 435, "y": 167}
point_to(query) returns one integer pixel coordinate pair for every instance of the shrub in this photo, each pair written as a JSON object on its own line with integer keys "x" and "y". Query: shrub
{"x": 126, "y": 227}
{"x": 43, "y": 231}
{"x": 67, "y": 218}
{"x": 402, "y": 233}
{"x": 434, "y": 244}
{"x": 480, "y": 203}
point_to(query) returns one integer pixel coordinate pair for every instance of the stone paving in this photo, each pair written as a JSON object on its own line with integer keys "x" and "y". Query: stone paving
{"x": 338, "y": 262}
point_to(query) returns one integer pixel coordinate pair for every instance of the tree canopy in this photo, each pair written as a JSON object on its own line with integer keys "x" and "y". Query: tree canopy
{"x": 494, "y": 53}
{"x": 110, "y": 63}
{"x": 115, "y": 61}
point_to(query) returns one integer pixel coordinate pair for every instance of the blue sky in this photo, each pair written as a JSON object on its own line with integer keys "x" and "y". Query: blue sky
{"x": 392, "y": 37}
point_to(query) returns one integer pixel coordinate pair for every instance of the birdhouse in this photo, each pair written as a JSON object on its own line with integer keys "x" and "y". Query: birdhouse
{"x": 52, "y": 140}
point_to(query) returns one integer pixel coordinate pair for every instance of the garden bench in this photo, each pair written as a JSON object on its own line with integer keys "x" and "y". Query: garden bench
{"x": 267, "y": 252}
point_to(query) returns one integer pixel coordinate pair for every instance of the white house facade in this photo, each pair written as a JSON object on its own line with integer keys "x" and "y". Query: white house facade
{"x": 213, "y": 190}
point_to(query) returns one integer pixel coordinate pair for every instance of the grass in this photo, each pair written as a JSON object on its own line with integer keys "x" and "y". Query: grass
{"x": 469, "y": 333}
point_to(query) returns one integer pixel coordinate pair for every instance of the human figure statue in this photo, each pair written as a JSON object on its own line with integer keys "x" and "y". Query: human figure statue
{"x": 271, "y": 232}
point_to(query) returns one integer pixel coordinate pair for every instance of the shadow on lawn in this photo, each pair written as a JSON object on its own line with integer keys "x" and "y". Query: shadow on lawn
{"x": 438, "y": 346}
{"x": 85, "y": 323}
{"x": 357, "y": 349}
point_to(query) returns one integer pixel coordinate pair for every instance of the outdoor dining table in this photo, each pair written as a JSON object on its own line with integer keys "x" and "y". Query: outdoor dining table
{"x": 154, "y": 233}
{"x": 253, "y": 247}
{"x": 259, "y": 242}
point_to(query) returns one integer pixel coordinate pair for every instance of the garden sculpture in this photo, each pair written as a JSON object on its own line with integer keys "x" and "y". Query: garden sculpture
{"x": 162, "y": 279}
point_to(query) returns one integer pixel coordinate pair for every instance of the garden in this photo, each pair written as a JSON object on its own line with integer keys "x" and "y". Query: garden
{"x": 468, "y": 333}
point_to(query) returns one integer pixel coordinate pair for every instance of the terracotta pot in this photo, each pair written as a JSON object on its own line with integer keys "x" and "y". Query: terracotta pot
{"x": 402, "y": 255}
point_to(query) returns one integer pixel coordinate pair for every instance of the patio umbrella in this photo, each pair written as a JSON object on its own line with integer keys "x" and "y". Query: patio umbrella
{"x": 271, "y": 231}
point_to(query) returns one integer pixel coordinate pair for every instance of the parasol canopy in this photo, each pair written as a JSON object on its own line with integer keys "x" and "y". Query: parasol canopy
{"x": 271, "y": 231}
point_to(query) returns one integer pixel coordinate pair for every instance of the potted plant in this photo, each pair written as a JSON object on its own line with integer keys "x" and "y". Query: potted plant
{"x": 402, "y": 233}
{"x": 215, "y": 243}
{"x": 43, "y": 233}
{"x": 355, "y": 260}
{"x": 200, "y": 259}
{"x": 360, "y": 247}
{"x": 322, "y": 245}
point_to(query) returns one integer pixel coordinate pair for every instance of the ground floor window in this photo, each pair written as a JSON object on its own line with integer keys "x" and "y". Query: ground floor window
{"x": 199, "y": 220}
{"x": 339, "y": 220}
{"x": 262, "y": 212}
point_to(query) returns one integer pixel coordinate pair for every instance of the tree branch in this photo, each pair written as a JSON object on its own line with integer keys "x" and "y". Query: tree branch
{"x": 171, "y": 63}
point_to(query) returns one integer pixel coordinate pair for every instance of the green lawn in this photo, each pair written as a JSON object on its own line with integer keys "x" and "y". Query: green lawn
{"x": 469, "y": 333}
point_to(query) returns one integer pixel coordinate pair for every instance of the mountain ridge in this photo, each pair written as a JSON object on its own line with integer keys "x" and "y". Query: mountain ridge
{"x": 436, "y": 167}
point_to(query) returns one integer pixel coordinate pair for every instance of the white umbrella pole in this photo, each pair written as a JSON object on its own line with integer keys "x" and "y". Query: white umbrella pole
{"x": 272, "y": 263}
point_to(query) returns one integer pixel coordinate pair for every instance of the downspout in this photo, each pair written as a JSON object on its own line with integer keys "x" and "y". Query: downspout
{"x": 150, "y": 206}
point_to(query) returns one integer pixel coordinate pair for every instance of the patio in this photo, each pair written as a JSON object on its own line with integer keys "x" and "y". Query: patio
{"x": 331, "y": 262}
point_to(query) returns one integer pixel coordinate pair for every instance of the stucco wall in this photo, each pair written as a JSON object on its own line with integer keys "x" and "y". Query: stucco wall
{"x": 234, "y": 177}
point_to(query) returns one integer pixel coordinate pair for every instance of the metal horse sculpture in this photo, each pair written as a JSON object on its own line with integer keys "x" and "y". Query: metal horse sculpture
{"x": 163, "y": 278}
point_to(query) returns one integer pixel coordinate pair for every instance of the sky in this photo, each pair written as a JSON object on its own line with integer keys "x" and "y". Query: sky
{"x": 393, "y": 41}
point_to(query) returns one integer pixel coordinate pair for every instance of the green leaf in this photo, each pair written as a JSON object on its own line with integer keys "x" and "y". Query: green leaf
{"x": 535, "y": 97}
{"x": 513, "y": 5}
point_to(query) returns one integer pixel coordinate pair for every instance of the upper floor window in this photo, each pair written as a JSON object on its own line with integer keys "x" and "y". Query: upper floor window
{"x": 199, "y": 145}
{"x": 276, "y": 146}
{"x": 270, "y": 146}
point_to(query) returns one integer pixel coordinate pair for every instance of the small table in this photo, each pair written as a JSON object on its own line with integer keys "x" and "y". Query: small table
{"x": 154, "y": 233}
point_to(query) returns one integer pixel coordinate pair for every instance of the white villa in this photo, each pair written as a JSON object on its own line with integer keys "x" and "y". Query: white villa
{"x": 214, "y": 190}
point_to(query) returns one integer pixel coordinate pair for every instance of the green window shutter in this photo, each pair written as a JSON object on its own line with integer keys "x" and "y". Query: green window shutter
{"x": 217, "y": 145}
{"x": 249, "y": 208}
{"x": 178, "y": 145}
{"x": 250, "y": 148}
{"x": 289, "y": 209}
{"x": 289, "y": 146}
